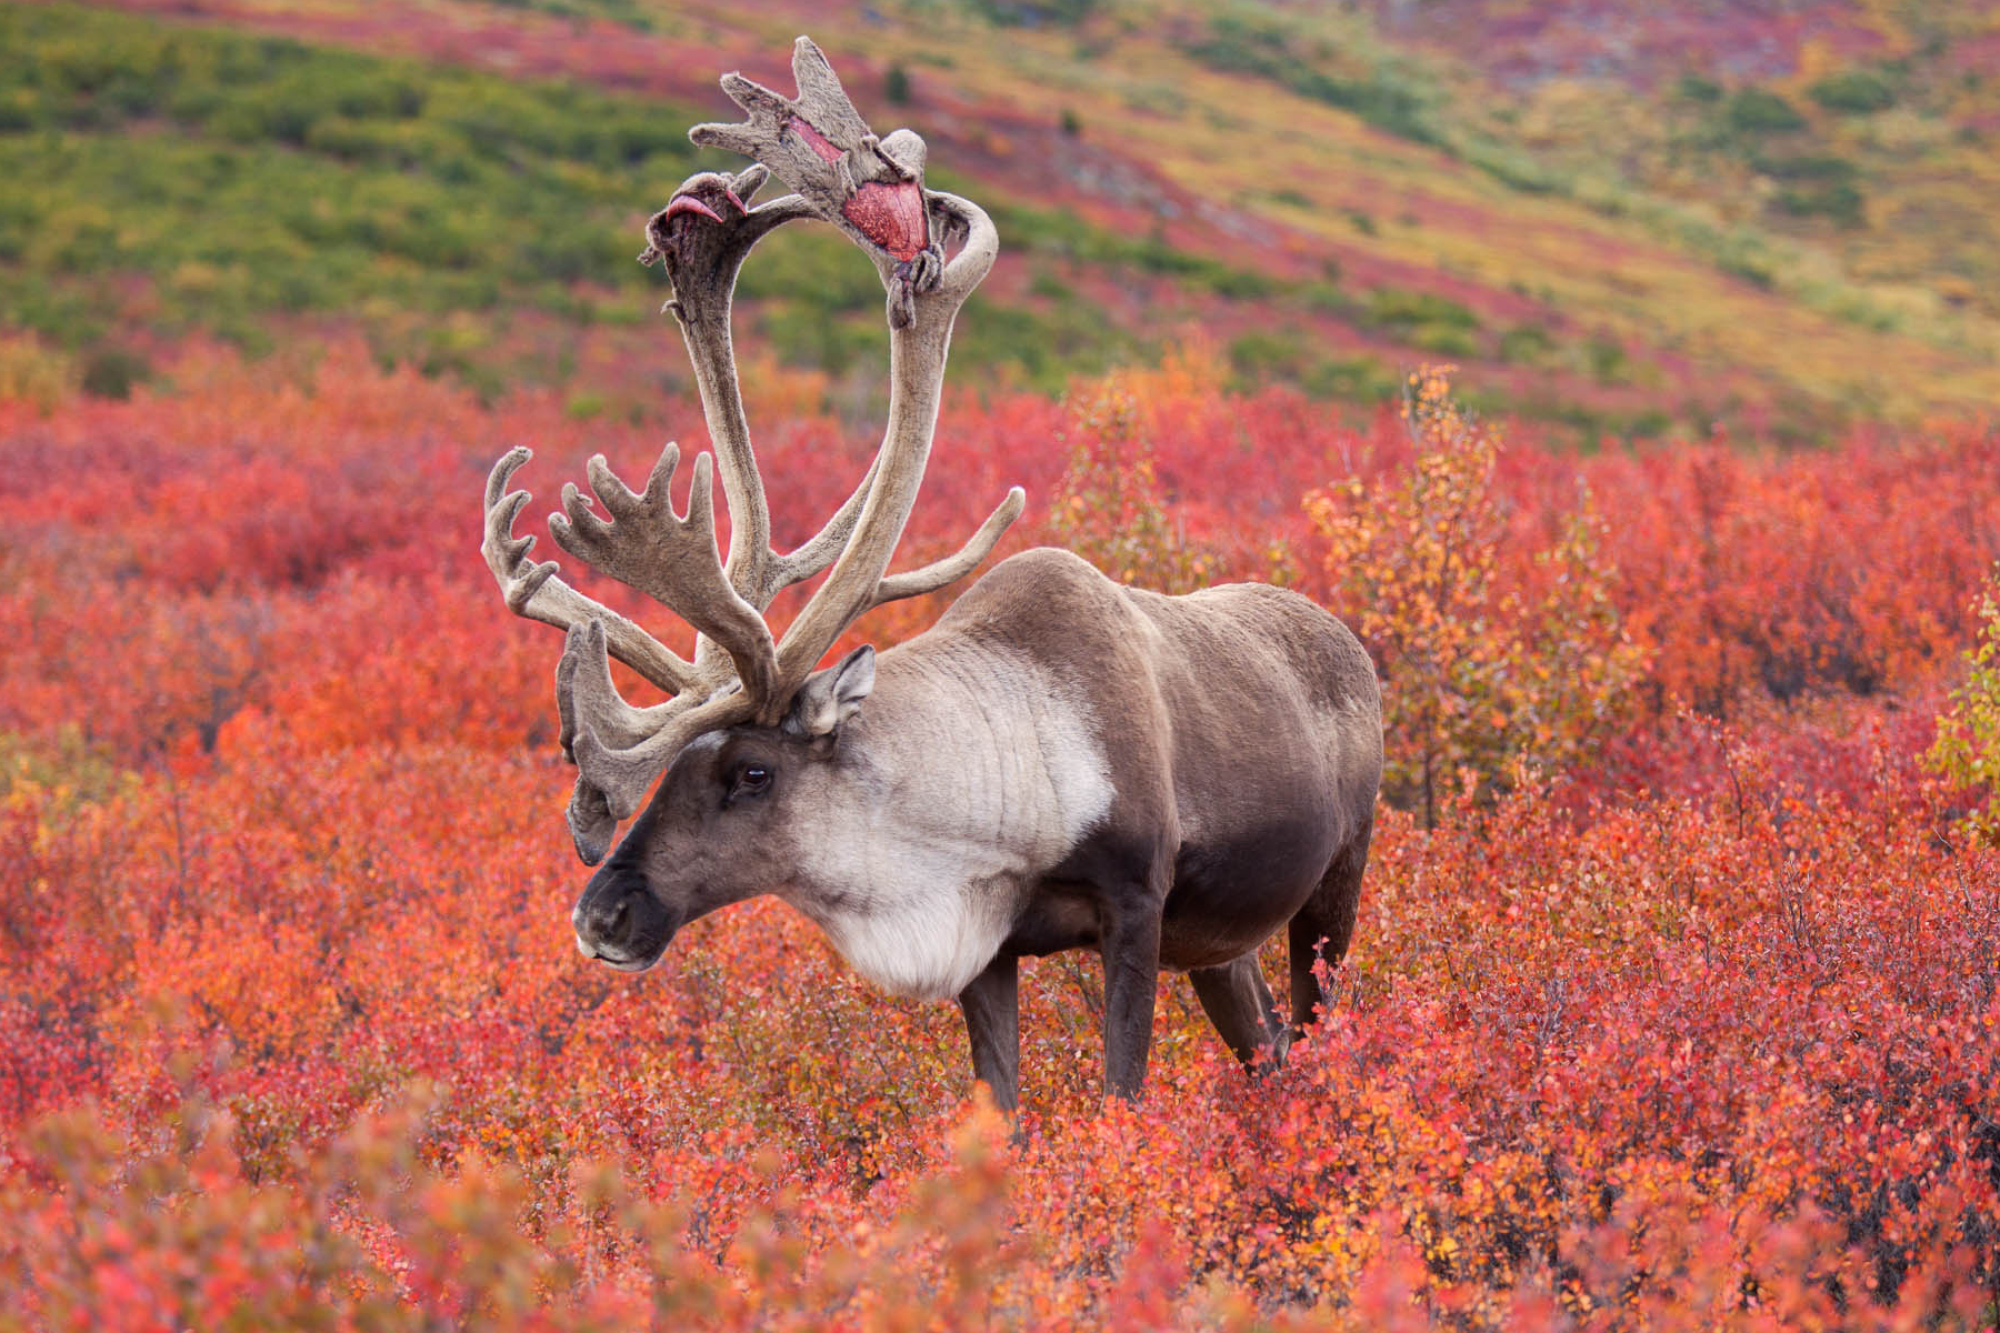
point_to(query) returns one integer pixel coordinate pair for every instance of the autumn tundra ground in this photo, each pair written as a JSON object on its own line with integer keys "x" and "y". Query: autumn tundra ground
{"x": 1672, "y": 1002}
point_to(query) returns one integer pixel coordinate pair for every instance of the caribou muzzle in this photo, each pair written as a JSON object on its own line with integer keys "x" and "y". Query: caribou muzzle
{"x": 619, "y": 921}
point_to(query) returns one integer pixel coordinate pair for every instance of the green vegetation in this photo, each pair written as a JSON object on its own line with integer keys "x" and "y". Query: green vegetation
{"x": 1293, "y": 355}
{"x": 1966, "y": 753}
{"x": 239, "y": 178}
{"x": 1065, "y": 236}
{"x": 1526, "y": 344}
{"x": 1755, "y": 110}
{"x": 1836, "y": 200}
{"x": 896, "y": 86}
{"x": 1682, "y": 161}
{"x": 1381, "y": 87}
{"x": 1386, "y": 97}
{"x": 1032, "y": 13}
{"x": 1434, "y": 323}
{"x": 1855, "y": 92}
{"x": 173, "y": 179}
{"x": 1607, "y": 359}
{"x": 1695, "y": 88}
{"x": 244, "y": 176}
{"x": 628, "y": 12}
{"x": 111, "y": 372}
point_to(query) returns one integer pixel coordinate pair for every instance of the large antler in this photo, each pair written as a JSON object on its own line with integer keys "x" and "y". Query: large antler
{"x": 873, "y": 190}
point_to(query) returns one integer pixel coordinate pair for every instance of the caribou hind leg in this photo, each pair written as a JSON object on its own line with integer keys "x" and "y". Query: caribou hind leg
{"x": 1323, "y": 927}
{"x": 1239, "y": 1004}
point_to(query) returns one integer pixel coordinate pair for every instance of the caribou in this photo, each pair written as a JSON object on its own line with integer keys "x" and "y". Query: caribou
{"x": 1061, "y": 762}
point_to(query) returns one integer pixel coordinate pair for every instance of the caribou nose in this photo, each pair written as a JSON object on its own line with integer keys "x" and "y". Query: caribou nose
{"x": 620, "y": 921}
{"x": 602, "y": 927}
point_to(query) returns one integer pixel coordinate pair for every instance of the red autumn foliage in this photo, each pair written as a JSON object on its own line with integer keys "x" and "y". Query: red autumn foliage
{"x": 1695, "y": 1032}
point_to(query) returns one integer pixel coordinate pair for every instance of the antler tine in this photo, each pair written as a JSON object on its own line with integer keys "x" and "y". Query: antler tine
{"x": 614, "y": 720}
{"x": 969, "y": 267}
{"x": 672, "y": 558}
{"x": 824, "y": 547}
{"x": 535, "y": 591}
{"x": 940, "y": 573}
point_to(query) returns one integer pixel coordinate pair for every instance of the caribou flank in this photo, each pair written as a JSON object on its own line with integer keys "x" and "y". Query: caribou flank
{"x": 1061, "y": 762}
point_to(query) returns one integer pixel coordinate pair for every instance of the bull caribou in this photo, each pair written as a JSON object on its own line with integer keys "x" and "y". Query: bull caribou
{"x": 1061, "y": 762}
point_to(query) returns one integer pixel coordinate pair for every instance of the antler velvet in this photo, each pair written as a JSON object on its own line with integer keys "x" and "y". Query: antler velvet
{"x": 872, "y": 189}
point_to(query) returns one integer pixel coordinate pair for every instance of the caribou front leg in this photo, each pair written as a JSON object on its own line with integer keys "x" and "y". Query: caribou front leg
{"x": 1131, "y": 947}
{"x": 992, "y": 1007}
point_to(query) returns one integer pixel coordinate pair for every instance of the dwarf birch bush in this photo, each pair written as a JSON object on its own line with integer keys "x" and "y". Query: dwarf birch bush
{"x": 1966, "y": 752}
{"x": 1112, "y": 509}
{"x": 1484, "y": 665}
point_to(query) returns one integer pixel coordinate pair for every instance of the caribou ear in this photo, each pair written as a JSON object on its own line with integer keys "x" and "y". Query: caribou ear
{"x": 830, "y": 697}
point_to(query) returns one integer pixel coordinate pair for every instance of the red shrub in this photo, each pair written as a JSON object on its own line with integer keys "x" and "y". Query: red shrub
{"x": 1699, "y": 1033}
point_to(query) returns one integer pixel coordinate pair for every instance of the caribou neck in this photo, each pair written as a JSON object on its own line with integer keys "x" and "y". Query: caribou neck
{"x": 970, "y": 775}
{"x": 983, "y": 750}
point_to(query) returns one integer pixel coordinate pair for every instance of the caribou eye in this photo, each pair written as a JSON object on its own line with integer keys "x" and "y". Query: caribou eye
{"x": 751, "y": 780}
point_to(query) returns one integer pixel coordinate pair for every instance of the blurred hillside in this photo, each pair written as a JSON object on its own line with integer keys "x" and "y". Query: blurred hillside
{"x": 1631, "y": 218}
